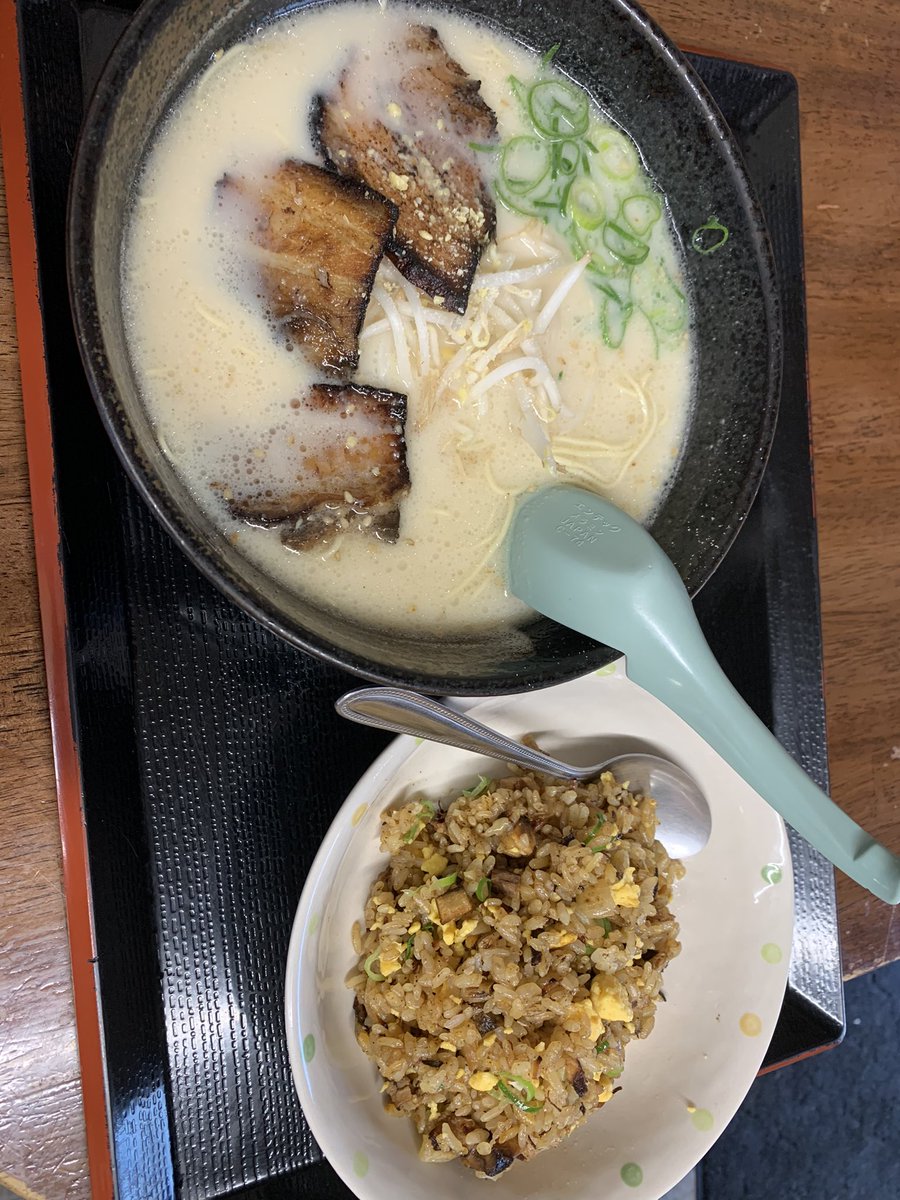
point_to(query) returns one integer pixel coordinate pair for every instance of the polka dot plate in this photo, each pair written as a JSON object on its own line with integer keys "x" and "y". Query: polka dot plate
{"x": 681, "y": 1086}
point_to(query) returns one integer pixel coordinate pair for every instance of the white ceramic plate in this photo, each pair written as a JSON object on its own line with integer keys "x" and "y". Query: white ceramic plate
{"x": 680, "y": 1087}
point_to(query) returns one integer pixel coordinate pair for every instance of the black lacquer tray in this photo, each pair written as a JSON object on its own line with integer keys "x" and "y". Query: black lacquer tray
{"x": 212, "y": 761}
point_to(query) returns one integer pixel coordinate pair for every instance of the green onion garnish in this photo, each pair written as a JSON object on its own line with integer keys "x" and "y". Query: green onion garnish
{"x": 641, "y": 213}
{"x": 661, "y": 300}
{"x": 520, "y": 91}
{"x": 558, "y": 109}
{"x": 588, "y": 948}
{"x": 520, "y": 1082}
{"x": 483, "y": 888}
{"x": 706, "y": 245}
{"x": 567, "y": 156}
{"x": 616, "y": 155}
{"x": 481, "y": 786}
{"x": 614, "y": 1072}
{"x": 611, "y": 303}
{"x": 426, "y": 812}
{"x": 509, "y": 1088}
{"x": 484, "y": 147}
{"x": 548, "y": 55}
{"x": 367, "y": 967}
{"x": 601, "y": 1046}
{"x": 524, "y": 163}
{"x": 601, "y": 820}
{"x": 447, "y": 881}
{"x": 586, "y": 206}
{"x": 409, "y": 947}
{"x": 623, "y": 245}
{"x": 602, "y": 261}
{"x": 572, "y": 173}
{"x": 614, "y": 320}
{"x": 607, "y": 925}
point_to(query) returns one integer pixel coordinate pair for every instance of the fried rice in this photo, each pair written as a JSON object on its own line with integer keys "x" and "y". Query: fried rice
{"x": 510, "y": 951}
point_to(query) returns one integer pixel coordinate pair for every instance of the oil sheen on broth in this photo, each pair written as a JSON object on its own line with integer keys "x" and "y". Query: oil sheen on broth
{"x": 574, "y": 406}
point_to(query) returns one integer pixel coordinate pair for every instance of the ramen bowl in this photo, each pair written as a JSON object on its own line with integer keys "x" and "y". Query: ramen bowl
{"x": 644, "y": 85}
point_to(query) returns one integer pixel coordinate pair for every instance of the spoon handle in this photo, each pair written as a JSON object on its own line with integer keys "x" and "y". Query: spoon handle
{"x": 408, "y": 712}
{"x": 674, "y": 662}
{"x": 577, "y": 558}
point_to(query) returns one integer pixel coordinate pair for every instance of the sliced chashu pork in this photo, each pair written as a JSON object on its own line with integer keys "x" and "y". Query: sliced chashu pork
{"x": 402, "y": 125}
{"x": 343, "y": 467}
{"x": 319, "y": 238}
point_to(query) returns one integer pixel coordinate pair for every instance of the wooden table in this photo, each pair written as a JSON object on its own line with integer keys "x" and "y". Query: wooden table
{"x": 845, "y": 55}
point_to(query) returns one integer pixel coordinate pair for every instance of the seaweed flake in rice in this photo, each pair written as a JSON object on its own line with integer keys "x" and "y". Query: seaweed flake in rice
{"x": 510, "y": 951}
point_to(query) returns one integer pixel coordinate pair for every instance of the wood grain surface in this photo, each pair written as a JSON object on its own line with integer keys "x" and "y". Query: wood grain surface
{"x": 846, "y": 57}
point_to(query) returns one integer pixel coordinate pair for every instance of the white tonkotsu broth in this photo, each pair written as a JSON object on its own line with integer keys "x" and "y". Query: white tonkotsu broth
{"x": 218, "y": 379}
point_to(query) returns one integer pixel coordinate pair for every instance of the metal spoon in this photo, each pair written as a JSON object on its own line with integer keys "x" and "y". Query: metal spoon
{"x": 681, "y": 808}
{"x": 585, "y": 563}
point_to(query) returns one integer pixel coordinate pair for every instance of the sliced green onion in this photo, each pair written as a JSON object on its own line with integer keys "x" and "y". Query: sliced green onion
{"x": 623, "y": 245}
{"x": 520, "y": 1082}
{"x": 616, "y": 155}
{"x": 603, "y": 262}
{"x": 606, "y": 925}
{"x": 523, "y": 1103}
{"x": 563, "y": 202}
{"x": 447, "y": 881}
{"x": 568, "y": 156}
{"x": 601, "y": 820}
{"x": 614, "y": 318}
{"x": 520, "y": 92}
{"x": 524, "y": 207}
{"x": 483, "y": 889}
{"x": 641, "y": 213}
{"x": 367, "y": 967}
{"x": 586, "y": 205}
{"x": 548, "y": 55}
{"x": 560, "y": 173}
{"x": 660, "y": 299}
{"x": 707, "y": 245}
{"x": 629, "y": 307}
{"x": 426, "y": 812}
{"x": 481, "y": 786}
{"x": 613, "y": 299}
{"x": 558, "y": 109}
{"x": 524, "y": 163}
{"x": 411, "y": 940}
{"x": 614, "y": 1072}
{"x": 601, "y": 1046}
{"x": 588, "y": 948}
{"x": 484, "y": 147}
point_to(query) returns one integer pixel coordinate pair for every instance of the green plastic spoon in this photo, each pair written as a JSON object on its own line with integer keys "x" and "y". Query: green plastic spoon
{"x": 584, "y": 563}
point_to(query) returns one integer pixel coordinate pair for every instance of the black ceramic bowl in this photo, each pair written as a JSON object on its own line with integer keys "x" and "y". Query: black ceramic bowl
{"x": 642, "y": 81}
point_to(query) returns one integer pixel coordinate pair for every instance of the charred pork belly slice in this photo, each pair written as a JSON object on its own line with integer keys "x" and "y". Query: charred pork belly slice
{"x": 343, "y": 467}
{"x": 403, "y": 127}
{"x": 319, "y": 238}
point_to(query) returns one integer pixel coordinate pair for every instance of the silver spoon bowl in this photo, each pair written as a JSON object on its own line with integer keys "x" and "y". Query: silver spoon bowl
{"x": 681, "y": 808}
